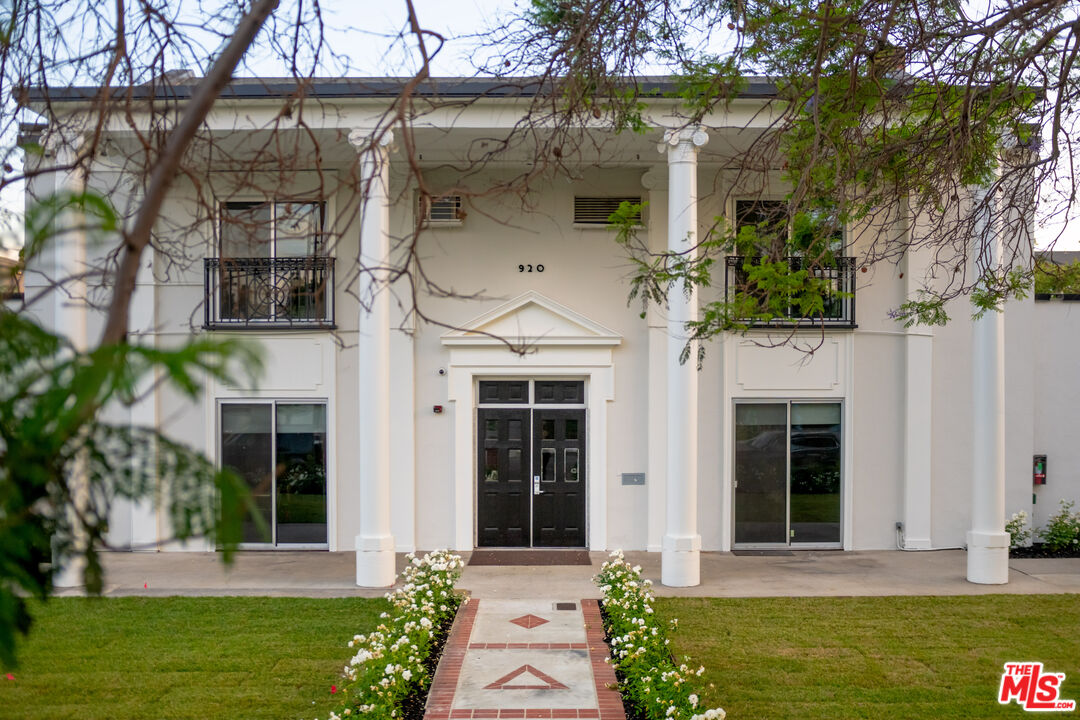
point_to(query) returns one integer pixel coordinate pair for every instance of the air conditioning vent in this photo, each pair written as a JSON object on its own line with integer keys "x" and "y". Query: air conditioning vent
{"x": 597, "y": 210}
{"x": 442, "y": 210}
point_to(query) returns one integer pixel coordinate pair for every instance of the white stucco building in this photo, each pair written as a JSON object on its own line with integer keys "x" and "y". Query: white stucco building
{"x": 376, "y": 430}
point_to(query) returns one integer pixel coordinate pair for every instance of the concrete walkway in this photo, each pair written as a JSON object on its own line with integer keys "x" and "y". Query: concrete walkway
{"x": 323, "y": 574}
{"x": 525, "y": 659}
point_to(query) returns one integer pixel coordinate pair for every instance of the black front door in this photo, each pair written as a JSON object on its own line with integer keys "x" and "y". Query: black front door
{"x": 558, "y": 478}
{"x": 504, "y": 491}
{"x": 531, "y": 477}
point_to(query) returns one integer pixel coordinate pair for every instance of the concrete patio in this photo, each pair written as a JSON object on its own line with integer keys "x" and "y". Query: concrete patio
{"x": 810, "y": 573}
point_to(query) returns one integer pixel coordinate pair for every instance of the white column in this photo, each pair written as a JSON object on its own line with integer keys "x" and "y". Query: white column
{"x": 69, "y": 316}
{"x": 656, "y": 182}
{"x": 374, "y": 544}
{"x": 918, "y": 405}
{"x": 988, "y": 543}
{"x": 143, "y": 513}
{"x": 681, "y": 546}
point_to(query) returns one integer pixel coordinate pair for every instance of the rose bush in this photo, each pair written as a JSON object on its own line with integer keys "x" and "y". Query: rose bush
{"x": 393, "y": 663}
{"x": 648, "y": 676}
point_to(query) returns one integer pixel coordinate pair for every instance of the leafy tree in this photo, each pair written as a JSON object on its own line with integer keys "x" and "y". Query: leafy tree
{"x": 884, "y": 110}
{"x": 1054, "y": 279}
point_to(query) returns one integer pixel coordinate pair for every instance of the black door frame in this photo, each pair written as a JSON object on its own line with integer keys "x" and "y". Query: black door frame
{"x": 532, "y": 407}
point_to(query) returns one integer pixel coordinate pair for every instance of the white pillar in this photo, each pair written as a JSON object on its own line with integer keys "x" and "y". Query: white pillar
{"x": 918, "y": 404}
{"x": 656, "y": 182}
{"x": 681, "y": 547}
{"x": 987, "y": 541}
{"x": 374, "y": 544}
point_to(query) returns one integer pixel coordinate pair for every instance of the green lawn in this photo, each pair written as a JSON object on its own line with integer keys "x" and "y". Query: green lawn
{"x": 880, "y": 658}
{"x": 802, "y": 658}
{"x": 151, "y": 658}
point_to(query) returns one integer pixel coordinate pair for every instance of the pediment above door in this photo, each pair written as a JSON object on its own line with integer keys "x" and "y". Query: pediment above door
{"x": 535, "y": 320}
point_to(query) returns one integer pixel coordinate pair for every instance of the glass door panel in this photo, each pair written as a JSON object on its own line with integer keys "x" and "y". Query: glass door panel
{"x": 815, "y": 472}
{"x": 301, "y": 474}
{"x": 247, "y": 447}
{"x": 761, "y": 473}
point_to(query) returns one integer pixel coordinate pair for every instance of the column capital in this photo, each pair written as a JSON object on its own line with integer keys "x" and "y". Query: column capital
{"x": 365, "y": 139}
{"x": 690, "y": 136}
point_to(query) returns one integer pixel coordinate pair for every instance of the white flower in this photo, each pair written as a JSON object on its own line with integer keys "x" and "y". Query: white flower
{"x": 693, "y": 700}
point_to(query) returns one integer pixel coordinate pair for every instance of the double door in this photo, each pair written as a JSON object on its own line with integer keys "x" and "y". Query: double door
{"x": 531, "y": 476}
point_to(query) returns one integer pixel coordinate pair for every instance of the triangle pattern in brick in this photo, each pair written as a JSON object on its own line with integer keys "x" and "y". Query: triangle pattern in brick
{"x": 529, "y": 621}
{"x": 539, "y": 681}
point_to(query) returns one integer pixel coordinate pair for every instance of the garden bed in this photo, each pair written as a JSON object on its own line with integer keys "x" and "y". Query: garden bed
{"x": 391, "y": 673}
{"x": 652, "y": 683}
{"x": 1040, "y": 550}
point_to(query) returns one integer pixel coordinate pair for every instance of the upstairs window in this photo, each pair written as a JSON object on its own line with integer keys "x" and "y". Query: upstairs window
{"x": 272, "y": 229}
{"x": 272, "y": 268}
{"x": 776, "y": 238}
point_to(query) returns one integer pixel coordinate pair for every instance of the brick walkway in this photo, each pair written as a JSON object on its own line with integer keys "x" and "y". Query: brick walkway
{"x": 525, "y": 659}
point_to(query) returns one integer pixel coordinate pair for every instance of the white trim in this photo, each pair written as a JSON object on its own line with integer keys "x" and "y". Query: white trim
{"x": 589, "y": 332}
{"x": 599, "y": 376}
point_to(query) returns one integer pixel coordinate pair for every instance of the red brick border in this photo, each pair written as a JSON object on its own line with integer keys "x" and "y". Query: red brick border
{"x": 610, "y": 702}
{"x": 444, "y": 684}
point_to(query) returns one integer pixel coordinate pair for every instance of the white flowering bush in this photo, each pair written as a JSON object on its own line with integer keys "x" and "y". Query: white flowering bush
{"x": 1062, "y": 531}
{"x": 1018, "y": 529}
{"x": 393, "y": 664}
{"x": 648, "y": 676}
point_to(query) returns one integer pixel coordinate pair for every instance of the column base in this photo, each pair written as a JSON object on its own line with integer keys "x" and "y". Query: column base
{"x": 375, "y": 561}
{"x": 680, "y": 561}
{"x": 988, "y": 557}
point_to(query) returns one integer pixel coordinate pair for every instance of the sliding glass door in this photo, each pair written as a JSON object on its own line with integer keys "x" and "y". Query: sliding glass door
{"x": 280, "y": 451}
{"x": 787, "y": 473}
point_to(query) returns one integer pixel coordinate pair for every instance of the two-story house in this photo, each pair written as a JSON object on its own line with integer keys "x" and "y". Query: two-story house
{"x": 397, "y": 418}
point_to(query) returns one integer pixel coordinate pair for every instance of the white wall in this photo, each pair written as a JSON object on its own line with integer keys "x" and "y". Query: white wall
{"x": 1055, "y": 348}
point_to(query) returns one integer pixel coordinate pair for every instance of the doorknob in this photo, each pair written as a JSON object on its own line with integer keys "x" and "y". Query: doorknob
{"x": 536, "y": 485}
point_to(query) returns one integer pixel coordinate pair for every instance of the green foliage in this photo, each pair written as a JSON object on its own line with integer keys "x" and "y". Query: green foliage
{"x": 1054, "y": 279}
{"x": 62, "y": 465}
{"x": 1062, "y": 531}
{"x": 1018, "y": 529}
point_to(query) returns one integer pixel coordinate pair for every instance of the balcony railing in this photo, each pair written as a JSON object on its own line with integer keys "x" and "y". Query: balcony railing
{"x": 255, "y": 293}
{"x": 839, "y": 298}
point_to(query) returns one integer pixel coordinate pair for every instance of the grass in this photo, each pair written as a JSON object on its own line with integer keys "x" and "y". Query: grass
{"x": 149, "y": 658}
{"x": 880, "y": 658}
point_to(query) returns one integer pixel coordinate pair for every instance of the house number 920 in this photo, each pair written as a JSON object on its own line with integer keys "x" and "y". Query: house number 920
{"x": 529, "y": 268}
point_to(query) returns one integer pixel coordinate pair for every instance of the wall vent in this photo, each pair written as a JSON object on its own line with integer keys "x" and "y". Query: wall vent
{"x": 597, "y": 210}
{"x": 441, "y": 210}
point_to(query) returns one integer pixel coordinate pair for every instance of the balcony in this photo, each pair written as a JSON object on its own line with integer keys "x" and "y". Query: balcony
{"x": 839, "y": 298}
{"x": 260, "y": 293}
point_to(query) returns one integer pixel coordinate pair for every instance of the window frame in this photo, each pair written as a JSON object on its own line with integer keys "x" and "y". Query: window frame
{"x": 320, "y": 244}
{"x": 273, "y": 403}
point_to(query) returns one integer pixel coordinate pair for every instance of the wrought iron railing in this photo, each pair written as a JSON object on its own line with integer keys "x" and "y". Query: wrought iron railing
{"x": 253, "y": 293}
{"x": 839, "y": 279}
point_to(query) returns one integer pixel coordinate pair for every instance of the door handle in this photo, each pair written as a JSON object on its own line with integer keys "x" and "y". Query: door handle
{"x": 536, "y": 485}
